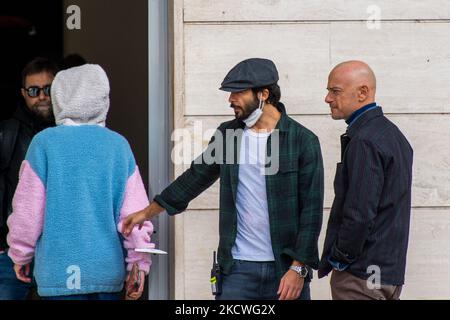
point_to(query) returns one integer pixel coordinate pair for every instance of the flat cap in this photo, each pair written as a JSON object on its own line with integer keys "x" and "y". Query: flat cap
{"x": 250, "y": 73}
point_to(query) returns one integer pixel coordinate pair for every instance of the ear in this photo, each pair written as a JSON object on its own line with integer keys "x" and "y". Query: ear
{"x": 263, "y": 95}
{"x": 363, "y": 93}
{"x": 24, "y": 93}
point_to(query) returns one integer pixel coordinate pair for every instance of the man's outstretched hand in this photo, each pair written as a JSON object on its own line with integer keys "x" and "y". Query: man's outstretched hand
{"x": 138, "y": 218}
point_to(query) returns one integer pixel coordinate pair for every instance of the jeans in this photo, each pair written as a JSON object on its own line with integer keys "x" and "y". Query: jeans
{"x": 249, "y": 280}
{"x": 92, "y": 296}
{"x": 10, "y": 287}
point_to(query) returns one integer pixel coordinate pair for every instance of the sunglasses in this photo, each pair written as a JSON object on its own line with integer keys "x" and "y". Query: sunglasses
{"x": 35, "y": 91}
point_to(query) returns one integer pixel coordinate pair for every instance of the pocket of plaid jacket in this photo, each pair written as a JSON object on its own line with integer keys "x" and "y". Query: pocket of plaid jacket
{"x": 287, "y": 178}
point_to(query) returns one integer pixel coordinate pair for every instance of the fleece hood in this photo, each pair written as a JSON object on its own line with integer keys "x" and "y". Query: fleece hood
{"x": 80, "y": 95}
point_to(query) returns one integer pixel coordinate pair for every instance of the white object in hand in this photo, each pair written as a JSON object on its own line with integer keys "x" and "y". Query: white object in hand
{"x": 148, "y": 250}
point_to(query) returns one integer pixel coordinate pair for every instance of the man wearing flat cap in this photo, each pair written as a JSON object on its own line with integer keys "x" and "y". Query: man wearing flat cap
{"x": 269, "y": 220}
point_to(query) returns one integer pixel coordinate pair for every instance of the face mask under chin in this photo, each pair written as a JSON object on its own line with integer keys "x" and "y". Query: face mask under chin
{"x": 253, "y": 118}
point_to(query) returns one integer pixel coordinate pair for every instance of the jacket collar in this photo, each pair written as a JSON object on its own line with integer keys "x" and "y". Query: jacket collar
{"x": 355, "y": 115}
{"x": 283, "y": 123}
{"x": 363, "y": 119}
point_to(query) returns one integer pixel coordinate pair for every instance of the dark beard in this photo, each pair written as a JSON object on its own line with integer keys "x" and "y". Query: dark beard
{"x": 247, "y": 110}
{"x": 43, "y": 116}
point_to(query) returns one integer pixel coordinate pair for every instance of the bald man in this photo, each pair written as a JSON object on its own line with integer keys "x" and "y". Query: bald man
{"x": 367, "y": 234}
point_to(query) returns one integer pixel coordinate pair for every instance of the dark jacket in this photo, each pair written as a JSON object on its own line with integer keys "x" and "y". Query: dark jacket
{"x": 15, "y": 137}
{"x": 294, "y": 193}
{"x": 370, "y": 216}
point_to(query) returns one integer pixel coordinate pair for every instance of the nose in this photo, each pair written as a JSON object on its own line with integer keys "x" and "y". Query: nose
{"x": 231, "y": 98}
{"x": 328, "y": 98}
{"x": 42, "y": 96}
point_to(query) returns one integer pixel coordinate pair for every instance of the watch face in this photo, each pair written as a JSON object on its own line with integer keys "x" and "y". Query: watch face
{"x": 303, "y": 272}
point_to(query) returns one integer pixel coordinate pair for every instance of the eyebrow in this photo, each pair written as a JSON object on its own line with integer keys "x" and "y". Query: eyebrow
{"x": 334, "y": 88}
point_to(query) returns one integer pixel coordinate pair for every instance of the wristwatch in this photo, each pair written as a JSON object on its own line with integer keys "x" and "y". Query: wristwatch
{"x": 302, "y": 271}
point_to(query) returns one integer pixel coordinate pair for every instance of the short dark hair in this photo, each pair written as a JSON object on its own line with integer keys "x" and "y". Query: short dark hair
{"x": 39, "y": 65}
{"x": 274, "y": 94}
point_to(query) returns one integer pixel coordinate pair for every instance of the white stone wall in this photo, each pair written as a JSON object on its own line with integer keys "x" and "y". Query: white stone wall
{"x": 410, "y": 54}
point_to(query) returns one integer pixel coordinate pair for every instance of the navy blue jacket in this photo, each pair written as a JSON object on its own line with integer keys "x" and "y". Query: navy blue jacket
{"x": 370, "y": 217}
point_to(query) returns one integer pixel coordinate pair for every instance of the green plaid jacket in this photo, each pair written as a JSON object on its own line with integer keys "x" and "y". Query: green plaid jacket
{"x": 294, "y": 193}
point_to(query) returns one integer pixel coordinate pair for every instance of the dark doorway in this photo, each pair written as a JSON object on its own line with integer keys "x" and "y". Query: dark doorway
{"x": 27, "y": 29}
{"x": 114, "y": 34}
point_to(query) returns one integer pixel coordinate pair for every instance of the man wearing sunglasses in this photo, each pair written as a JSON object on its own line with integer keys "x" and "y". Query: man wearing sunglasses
{"x": 33, "y": 115}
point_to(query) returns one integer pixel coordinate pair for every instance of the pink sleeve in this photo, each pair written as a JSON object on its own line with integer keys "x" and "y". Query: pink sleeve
{"x": 27, "y": 219}
{"x": 136, "y": 199}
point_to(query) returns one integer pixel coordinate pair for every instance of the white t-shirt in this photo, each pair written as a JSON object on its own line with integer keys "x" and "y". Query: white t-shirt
{"x": 253, "y": 242}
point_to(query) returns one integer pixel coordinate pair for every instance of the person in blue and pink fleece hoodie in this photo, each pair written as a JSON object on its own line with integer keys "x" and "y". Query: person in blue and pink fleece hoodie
{"x": 79, "y": 180}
